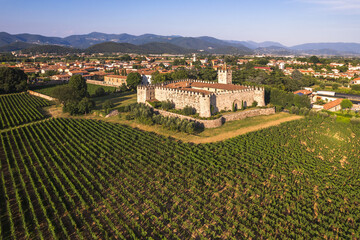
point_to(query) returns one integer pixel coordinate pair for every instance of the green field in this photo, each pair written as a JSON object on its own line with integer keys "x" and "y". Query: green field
{"x": 117, "y": 99}
{"x": 79, "y": 178}
{"x": 87, "y": 179}
{"x": 20, "y": 108}
{"x": 91, "y": 88}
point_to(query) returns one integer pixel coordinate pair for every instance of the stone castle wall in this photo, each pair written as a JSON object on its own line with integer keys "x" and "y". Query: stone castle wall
{"x": 203, "y": 103}
{"x": 219, "y": 121}
{"x": 183, "y": 98}
{"x": 225, "y": 100}
{"x": 248, "y": 113}
{"x": 205, "y": 123}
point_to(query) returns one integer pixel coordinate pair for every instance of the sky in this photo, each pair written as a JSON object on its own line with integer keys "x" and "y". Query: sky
{"x": 289, "y": 22}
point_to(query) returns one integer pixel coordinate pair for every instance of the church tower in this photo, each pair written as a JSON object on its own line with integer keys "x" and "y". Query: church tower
{"x": 224, "y": 75}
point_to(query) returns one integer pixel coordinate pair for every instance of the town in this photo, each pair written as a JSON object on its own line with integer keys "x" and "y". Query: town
{"x": 323, "y": 80}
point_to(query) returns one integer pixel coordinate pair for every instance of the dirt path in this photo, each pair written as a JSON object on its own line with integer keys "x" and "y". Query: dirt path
{"x": 245, "y": 130}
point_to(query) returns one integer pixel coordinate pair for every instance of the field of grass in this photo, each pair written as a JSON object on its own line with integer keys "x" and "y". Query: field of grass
{"x": 118, "y": 99}
{"x": 87, "y": 179}
{"x": 91, "y": 88}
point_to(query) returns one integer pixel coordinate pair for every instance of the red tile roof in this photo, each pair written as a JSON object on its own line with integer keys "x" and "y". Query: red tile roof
{"x": 187, "y": 86}
{"x": 305, "y": 92}
{"x": 116, "y": 76}
{"x": 332, "y": 104}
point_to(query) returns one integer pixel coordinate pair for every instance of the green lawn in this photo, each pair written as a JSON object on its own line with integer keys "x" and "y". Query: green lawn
{"x": 90, "y": 87}
{"x": 118, "y": 99}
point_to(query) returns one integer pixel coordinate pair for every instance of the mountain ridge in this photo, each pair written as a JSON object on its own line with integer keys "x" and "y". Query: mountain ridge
{"x": 205, "y": 44}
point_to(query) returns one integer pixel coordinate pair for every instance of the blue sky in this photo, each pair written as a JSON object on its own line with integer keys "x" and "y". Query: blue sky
{"x": 289, "y": 22}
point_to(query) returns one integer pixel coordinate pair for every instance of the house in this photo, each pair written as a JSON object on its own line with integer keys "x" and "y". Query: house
{"x": 333, "y": 106}
{"x": 71, "y": 73}
{"x": 116, "y": 80}
{"x": 64, "y": 77}
{"x": 355, "y": 81}
{"x": 264, "y": 68}
{"x": 303, "y": 92}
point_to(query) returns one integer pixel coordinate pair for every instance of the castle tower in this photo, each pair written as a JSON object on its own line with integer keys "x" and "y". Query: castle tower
{"x": 224, "y": 75}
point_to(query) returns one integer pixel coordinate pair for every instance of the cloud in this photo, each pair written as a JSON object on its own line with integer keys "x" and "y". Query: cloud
{"x": 336, "y": 4}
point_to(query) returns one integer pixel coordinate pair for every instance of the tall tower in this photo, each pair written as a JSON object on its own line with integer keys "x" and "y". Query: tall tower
{"x": 224, "y": 75}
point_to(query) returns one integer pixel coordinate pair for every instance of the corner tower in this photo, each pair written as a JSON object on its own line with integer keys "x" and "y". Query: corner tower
{"x": 224, "y": 75}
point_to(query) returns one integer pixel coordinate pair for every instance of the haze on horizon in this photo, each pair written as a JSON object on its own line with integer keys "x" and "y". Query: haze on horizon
{"x": 289, "y": 22}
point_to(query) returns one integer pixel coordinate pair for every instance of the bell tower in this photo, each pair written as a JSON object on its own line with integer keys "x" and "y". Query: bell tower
{"x": 224, "y": 75}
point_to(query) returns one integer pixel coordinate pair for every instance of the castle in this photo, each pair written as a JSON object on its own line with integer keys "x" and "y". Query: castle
{"x": 206, "y": 97}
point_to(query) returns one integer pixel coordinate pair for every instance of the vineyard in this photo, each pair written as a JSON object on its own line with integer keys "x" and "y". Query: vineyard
{"x": 86, "y": 179}
{"x": 20, "y": 108}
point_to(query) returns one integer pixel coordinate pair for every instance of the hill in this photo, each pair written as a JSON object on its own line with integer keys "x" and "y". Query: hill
{"x": 87, "y": 40}
{"x": 16, "y": 46}
{"x": 149, "y": 48}
{"x": 339, "y": 47}
{"x": 50, "y": 49}
{"x": 6, "y": 38}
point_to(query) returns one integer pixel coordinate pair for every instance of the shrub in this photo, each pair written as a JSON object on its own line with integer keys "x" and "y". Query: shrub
{"x": 188, "y": 110}
{"x": 294, "y": 110}
{"x": 304, "y": 111}
{"x": 335, "y": 86}
{"x": 99, "y": 92}
{"x": 190, "y": 128}
{"x": 129, "y": 117}
{"x": 166, "y": 105}
{"x": 323, "y": 114}
{"x": 254, "y": 104}
{"x": 107, "y": 105}
{"x": 312, "y": 112}
{"x": 355, "y": 87}
{"x": 355, "y": 120}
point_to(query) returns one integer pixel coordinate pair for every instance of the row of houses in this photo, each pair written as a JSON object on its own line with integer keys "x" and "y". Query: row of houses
{"x": 331, "y": 100}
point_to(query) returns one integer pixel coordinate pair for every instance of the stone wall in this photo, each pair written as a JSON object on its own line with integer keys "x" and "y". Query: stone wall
{"x": 183, "y": 98}
{"x": 225, "y": 100}
{"x": 248, "y": 113}
{"x": 205, "y": 123}
{"x": 219, "y": 121}
{"x": 41, "y": 95}
{"x": 101, "y": 83}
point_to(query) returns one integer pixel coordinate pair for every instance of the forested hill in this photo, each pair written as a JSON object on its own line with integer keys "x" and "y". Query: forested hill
{"x": 154, "y": 48}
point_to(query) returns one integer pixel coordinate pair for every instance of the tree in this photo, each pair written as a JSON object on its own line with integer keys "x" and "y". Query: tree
{"x": 346, "y": 104}
{"x": 107, "y": 105}
{"x": 85, "y": 105}
{"x": 297, "y": 75}
{"x": 314, "y": 59}
{"x": 335, "y": 86}
{"x": 66, "y": 94}
{"x": 355, "y": 87}
{"x": 133, "y": 79}
{"x": 99, "y": 92}
{"x": 180, "y": 74}
{"x": 78, "y": 83}
{"x": 12, "y": 80}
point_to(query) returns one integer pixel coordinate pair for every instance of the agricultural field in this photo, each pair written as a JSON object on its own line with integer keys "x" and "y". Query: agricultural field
{"x": 88, "y": 179}
{"x": 20, "y": 108}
